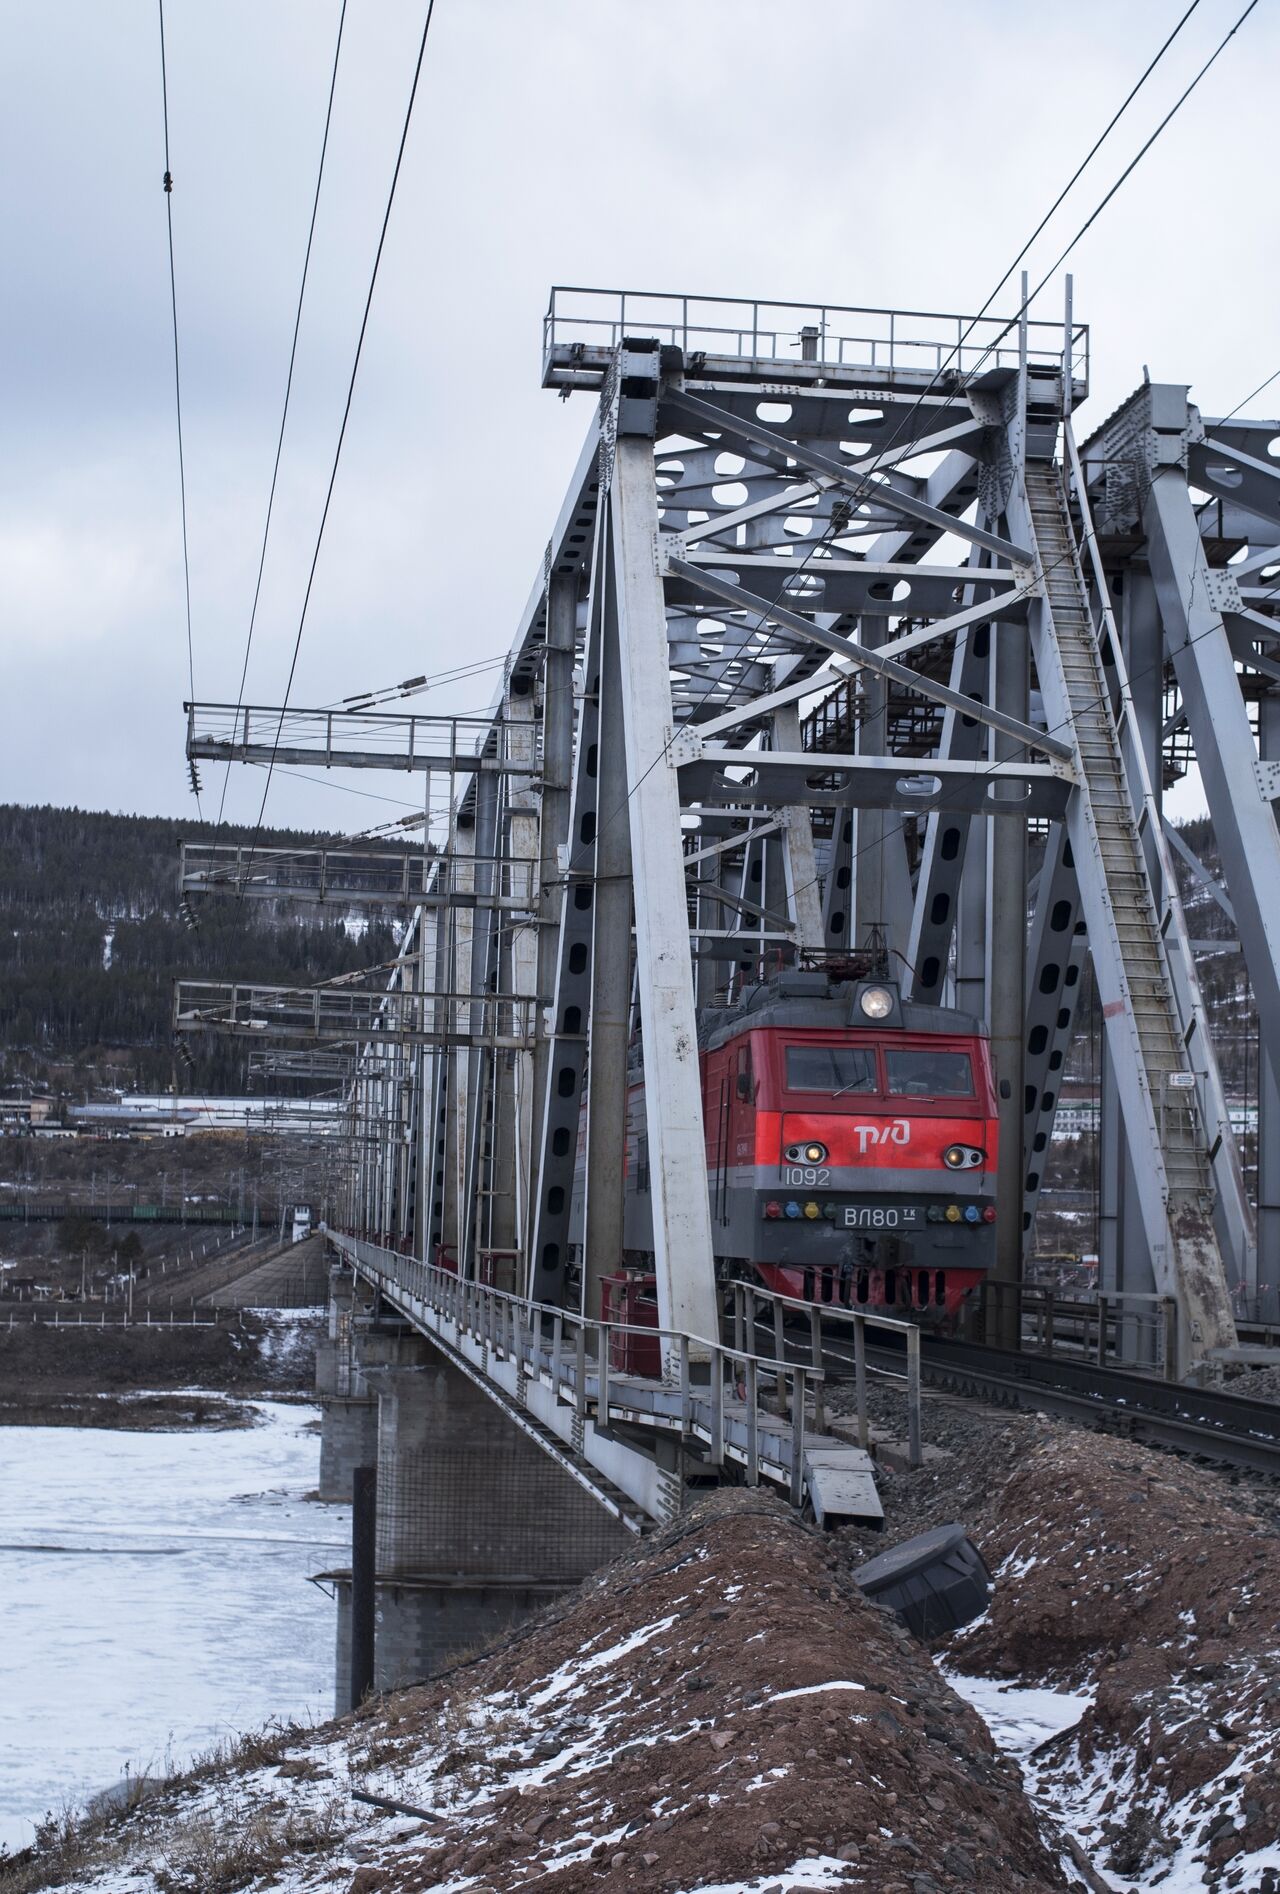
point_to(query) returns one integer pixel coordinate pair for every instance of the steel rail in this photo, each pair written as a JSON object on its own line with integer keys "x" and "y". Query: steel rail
{"x": 1206, "y": 1423}
{"x": 1203, "y": 1422}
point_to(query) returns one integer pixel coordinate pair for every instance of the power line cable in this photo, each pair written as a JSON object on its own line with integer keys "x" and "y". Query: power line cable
{"x": 177, "y": 380}
{"x": 1224, "y": 418}
{"x": 966, "y": 380}
{"x": 1135, "y": 161}
{"x": 956, "y": 350}
{"x": 346, "y": 412}
{"x": 1089, "y": 221}
{"x": 288, "y": 390}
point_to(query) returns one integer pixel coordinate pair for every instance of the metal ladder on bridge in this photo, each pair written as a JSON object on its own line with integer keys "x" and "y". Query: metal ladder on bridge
{"x": 1174, "y": 1172}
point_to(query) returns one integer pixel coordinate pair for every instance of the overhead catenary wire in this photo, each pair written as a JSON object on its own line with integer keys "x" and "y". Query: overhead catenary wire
{"x": 1136, "y": 160}
{"x": 858, "y": 485}
{"x": 346, "y": 412}
{"x": 1251, "y": 396}
{"x": 177, "y": 376}
{"x": 967, "y": 379}
{"x": 861, "y": 483}
{"x": 956, "y": 349}
{"x": 288, "y": 391}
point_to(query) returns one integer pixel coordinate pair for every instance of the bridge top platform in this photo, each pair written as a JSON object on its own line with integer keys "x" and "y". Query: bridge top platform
{"x": 742, "y": 339}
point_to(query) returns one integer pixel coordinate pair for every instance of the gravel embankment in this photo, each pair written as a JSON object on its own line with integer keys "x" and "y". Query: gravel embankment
{"x": 721, "y": 1710}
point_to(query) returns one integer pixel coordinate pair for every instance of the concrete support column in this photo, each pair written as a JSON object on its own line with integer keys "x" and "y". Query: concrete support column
{"x": 349, "y": 1407}
{"x": 477, "y": 1526}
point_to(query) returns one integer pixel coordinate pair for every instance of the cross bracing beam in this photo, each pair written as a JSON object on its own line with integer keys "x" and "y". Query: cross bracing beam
{"x": 467, "y": 1019}
{"x": 345, "y": 739}
{"x": 762, "y": 777}
{"x": 763, "y": 441}
{"x": 870, "y": 659}
{"x": 349, "y": 876}
{"x": 834, "y": 584}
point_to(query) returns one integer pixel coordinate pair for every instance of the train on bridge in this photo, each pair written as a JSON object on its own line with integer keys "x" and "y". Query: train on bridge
{"x": 851, "y": 1142}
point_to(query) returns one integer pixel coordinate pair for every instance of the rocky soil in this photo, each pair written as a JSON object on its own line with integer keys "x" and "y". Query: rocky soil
{"x": 722, "y": 1710}
{"x": 1152, "y": 1586}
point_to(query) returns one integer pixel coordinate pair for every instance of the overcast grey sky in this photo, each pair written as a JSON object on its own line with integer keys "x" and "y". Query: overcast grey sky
{"x": 887, "y": 154}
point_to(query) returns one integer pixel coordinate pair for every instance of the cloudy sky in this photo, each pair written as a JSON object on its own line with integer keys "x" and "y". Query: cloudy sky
{"x": 885, "y": 154}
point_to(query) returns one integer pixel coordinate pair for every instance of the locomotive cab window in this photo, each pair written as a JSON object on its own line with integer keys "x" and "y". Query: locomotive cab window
{"x": 831, "y": 1069}
{"x": 923, "y": 1072}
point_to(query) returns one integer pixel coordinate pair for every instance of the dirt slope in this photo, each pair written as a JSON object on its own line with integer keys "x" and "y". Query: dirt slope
{"x": 1153, "y": 1587}
{"x": 722, "y": 1710}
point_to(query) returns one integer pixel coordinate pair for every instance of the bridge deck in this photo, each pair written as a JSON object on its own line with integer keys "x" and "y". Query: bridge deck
{"x": 554, "y": 1368}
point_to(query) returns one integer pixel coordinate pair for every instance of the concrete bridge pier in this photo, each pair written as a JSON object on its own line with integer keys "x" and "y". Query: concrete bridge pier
{"x": 349, "y": 1407}
{"x": 477, "y": 1526}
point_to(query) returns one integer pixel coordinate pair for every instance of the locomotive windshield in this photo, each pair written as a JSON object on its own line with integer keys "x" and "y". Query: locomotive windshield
{"x": 921, "y": 1072}
{"x": 833, "y": 1069}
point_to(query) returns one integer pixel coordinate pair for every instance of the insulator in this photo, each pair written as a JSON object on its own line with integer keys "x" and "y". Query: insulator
{"x": 194, "y": 774}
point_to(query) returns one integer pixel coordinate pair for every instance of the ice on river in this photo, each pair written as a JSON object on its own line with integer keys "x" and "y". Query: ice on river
{"x": 153, "y": 1599}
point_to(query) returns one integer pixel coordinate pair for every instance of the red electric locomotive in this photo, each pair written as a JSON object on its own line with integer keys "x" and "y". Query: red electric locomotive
{"x": 851, "y": 1145}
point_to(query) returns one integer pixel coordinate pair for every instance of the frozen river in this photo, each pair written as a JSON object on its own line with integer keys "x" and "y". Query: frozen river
{"x": 154, "y": 1598}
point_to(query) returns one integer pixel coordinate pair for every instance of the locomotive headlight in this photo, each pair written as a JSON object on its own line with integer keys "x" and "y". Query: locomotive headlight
{"x": 877, "y": 1002}
{"x": 963, "y": 1157}
{"x": 815, "y": 1153}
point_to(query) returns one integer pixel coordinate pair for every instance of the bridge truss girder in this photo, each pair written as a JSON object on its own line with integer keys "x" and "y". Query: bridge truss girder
{"x": 659, "y": 798}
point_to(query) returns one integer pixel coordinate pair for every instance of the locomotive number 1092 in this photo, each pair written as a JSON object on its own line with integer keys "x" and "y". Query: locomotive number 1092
{"x": 806, "y": 1176}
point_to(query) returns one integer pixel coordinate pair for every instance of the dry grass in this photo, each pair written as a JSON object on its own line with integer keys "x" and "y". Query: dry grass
{"x": 229, "y": 1846}
{"x": 223, "y": 1847}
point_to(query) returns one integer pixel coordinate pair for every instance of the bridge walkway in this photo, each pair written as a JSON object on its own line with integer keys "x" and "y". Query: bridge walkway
{"x": 623, "y": 1435}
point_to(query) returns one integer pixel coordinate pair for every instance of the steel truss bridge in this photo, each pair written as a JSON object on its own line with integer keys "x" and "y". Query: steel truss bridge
{"x": 844, "y": 630}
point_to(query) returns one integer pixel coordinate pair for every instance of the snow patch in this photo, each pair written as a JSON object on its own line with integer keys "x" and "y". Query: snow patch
{"x": 813, "y": 1690}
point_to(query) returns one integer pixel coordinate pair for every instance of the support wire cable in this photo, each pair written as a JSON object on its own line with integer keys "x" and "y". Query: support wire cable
{"x": 177, "y": 380}
{"x": 857, "y": 491}
{"x": 288, "y": 390}
{"x": 346, "y": 415}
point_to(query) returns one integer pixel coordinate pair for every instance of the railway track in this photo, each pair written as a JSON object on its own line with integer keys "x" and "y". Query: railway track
{"x": 1205, "y": 1423}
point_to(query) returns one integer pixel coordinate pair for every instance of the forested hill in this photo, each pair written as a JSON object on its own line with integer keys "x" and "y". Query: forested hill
{"x": 91, "y": 941}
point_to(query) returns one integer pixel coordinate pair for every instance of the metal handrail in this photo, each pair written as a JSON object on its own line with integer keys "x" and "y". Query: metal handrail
{"x": 859, "y": 1320}
{"x": 955, "y": 340}
{"x": 517, "y": 1329}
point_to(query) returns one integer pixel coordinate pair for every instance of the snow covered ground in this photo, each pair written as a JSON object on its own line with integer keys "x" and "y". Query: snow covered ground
{"x": 1074, "y": 1795}
{"x": 155, "y": 1599}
